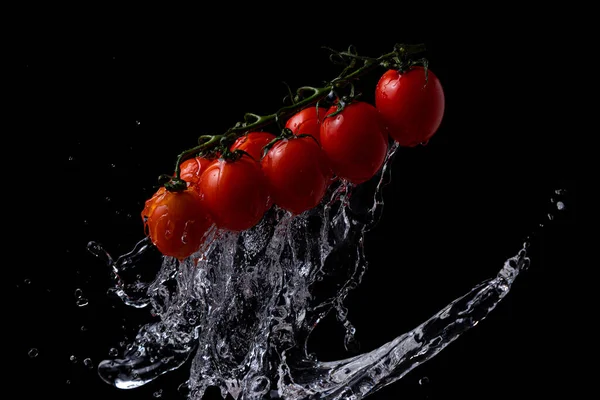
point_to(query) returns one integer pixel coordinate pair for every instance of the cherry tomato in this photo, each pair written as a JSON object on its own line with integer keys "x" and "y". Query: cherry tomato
{"x": 297, "y": 172}
{"x": 354, "y": 141}
{"x": 307, "y": 122}
{"x": 253, "y": 143}
{"x": 410, "y": 107}
{"x": 234, "y": 192}
{"x": 191, "y": 169}
{"x": 176, "y": 222}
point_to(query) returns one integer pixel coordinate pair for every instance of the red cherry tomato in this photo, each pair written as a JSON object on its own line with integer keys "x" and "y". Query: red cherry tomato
{"x": 176, "y": 222}
{"x": 253, "y": 143}
{"x": 234, "y": 192}
{"x": 191, "y": 169}
{"x": 354, "y": 141}
{"x": 411, "y": 108}
{"x": 297, "y": 172}
{"x": 307, "y": 122}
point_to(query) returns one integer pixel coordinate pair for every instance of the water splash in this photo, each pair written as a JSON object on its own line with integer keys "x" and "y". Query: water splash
{"x": 245, "y": 305}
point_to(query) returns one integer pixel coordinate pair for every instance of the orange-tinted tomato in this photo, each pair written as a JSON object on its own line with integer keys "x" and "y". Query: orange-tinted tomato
{"x": 176, "y": 222}
{"x": 191, "y": 169}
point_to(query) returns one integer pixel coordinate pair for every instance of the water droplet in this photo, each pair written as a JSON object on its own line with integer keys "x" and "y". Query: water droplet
{"x": 112, "y": 165}
{"x": 113, "y": 352}
{"x": 85, "y": 221}
{"x": 550, "y": 217}
{"x": 70, "y": 158}
{"x": 33, "y": 352}
{"x": 27, "y": 281}
{"x": 129, "y": 215}
{"x": 84, "y": 328}
{"x": 88, "y": 363}
{"x": 73, "y": 359}
{"x": 82, "y": 302}
{"x": 560, "y": 205}
{"x": 107, "y": 199}
{"x": 424, "y": 381}
{"x": 78, "y": 293}
{"x": 157, "y": 394}
{"x": 68, "y": 382}
{"x": 137, "y": 123}
{"x": 560, "y": 192}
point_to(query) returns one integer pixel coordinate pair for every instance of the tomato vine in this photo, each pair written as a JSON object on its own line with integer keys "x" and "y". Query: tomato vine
{"x": 355, "y": 66}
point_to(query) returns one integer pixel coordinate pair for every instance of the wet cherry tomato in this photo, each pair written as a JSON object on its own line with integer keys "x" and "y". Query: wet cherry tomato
{"x": 411, "y": 107}
{"x": 234, "y": 192}
{"x": 298, "y": 173}
{"x": 253, "y": 144}
{"x": 192, "y": 168}
{"x": 307, "y": 122}
{"x": 176, "y": 222}
{"x": 354, "y": 141}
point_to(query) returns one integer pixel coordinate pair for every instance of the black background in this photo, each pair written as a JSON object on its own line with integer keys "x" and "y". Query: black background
{"x": 102, "y": 109}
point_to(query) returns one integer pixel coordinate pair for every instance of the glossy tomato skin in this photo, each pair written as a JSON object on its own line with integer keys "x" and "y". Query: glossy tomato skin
{"x": 176, "y": 222}
{"x": 354, "y": 141}
{"x": 297, "y": 172}
{"x": 234, "y": 192}
{"x": 191, "y": 169}
{"x": 411, "y": 108}
{"x": 253, "y": 143}
{"x": 307, "y": 122}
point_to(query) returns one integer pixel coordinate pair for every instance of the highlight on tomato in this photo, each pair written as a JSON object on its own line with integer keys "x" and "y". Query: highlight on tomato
{"x": 411, "y": 104}
{"x": 176, "y": 222}
{"x": 297, "y": 172}
{"x": 235, "y": 193}
{"x": 191, "y": 169}
{"x": 354, "y": 141}
{"x": 307, "y": 122}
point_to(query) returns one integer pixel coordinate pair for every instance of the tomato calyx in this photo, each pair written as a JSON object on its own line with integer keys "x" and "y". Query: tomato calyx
{"x": 343, "y": 102}
{"x": 286, "y": 133}
{"x": 232, "y": 156}
{"x": 172, "y": 183}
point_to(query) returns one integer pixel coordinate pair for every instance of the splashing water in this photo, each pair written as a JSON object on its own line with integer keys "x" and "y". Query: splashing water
{"x": 245, "y": 305}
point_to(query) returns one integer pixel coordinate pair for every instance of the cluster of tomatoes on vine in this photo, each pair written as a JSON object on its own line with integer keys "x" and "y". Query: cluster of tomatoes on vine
{"x": 234, "y": 187}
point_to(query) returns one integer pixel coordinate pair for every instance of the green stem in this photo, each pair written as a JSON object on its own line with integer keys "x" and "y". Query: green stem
{"x": 194, "y": 150}
{"x": 396, "y": 58}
